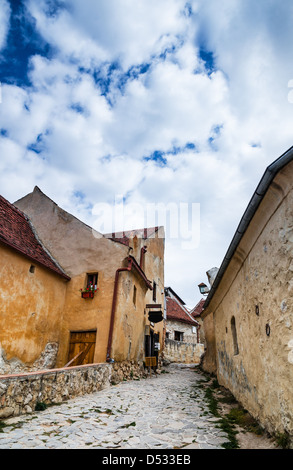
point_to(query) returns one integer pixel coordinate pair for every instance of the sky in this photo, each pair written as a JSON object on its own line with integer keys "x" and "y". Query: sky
{"x": 125, "y": 106}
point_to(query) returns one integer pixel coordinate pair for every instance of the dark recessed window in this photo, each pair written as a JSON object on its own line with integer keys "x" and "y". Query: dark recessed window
{"x": 178, "y": 335}
{"x": 92, "y": 281}
{"x": 234, "y": 336}
{"x": 32, "y": 268}
{"x": 134, "y": 295}
{"x": 154, "y": 292}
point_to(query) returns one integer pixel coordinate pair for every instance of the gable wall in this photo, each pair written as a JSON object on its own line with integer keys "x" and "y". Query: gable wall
{"x": 80, "y": 250}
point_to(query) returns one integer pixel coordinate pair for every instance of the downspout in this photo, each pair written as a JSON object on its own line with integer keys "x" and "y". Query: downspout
{"x": 142, "y": 252}
{"x": 109, "y": 347}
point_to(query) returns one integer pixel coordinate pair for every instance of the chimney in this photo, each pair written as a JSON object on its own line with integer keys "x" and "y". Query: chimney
{"x": 211, "y": 274}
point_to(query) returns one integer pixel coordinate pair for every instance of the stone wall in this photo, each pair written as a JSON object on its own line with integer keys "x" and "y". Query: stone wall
{"x": 189, "y": 335}
{"x": 249, "y": 321}
{"x": 21, "y": 393}
{"x": 179, "y": 351}
{"x": 127, "y": 370}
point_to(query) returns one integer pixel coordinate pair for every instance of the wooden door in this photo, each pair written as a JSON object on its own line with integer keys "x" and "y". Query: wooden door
{"x": 81, "y": 348}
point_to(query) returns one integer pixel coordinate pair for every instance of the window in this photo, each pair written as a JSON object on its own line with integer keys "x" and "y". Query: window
{"x": 178, "y": 335}
{"x": 92, "y": 280}
{"x": 154, "y": 291}
{"x": 134, "y": 295}
{"x": 32, "y": 268}
{"x": 234, "y": 336}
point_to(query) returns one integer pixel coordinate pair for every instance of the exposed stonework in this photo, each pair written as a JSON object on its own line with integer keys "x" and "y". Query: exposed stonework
{"x": 127, "y": 370}
{"x": 47, "y": 360}
{"x": 189, "y": 335}
{"x": 181, "y": 352}
{"x": 19, "y": 394}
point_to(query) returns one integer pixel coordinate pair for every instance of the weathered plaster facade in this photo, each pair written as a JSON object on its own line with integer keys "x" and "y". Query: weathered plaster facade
{"x": 196, "y": 314}
{"x": 81, "y": 251}
{"x": 31, "y": 312}
{"x": 32, "y": 296}
{"x": 248, "y": 320}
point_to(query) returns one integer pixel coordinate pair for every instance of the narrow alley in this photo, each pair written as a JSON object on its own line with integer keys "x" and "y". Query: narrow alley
{"x": 167, "y": 411}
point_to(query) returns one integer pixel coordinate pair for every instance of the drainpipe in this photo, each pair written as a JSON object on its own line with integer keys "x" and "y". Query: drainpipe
{"x": 142, "y": 252}
{"x": 108, "y": 358}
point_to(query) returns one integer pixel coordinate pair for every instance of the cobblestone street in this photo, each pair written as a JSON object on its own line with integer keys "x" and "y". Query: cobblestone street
{"x": 167, "y": 411}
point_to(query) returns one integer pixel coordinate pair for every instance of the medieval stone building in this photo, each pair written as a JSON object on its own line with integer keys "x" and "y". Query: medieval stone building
{"x": 248, "y": 314}
{"x": 182, "y": 343}
{"x": 76, "y": 294}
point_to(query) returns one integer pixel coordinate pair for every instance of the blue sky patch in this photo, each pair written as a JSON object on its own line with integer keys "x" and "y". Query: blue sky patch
{"x": 53, "y": 7}
{"x": 78, "y": 108}
{"x": 79, "y": 195}
{"x": 209, "y": 60}
{"x": 215, "y": 133}
{"x": 39, "y": 145}
{"x": 188, "y": 9}
{"x": 3, "y": 132}
{"x": 23, "y": 41}
{"x": 158, "y": 157}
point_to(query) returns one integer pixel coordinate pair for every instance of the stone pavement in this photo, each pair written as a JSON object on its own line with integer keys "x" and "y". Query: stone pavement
{"x": 160, "y": 412}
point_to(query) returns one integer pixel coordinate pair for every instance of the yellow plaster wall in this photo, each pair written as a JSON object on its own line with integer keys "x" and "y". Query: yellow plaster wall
{"x": 154, "y": 269}
{"x": 128, "y": 338}
{"x": 31, "y": 306}
{"x": 88, "y": 314}
{"x": 80, "y": 250}
{"x": 260, "y": 275}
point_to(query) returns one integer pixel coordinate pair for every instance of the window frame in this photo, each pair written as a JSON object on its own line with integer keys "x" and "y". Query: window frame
{"x": 89, "y": 281}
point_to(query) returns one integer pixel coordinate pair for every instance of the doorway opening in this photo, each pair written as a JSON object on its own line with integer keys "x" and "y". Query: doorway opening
{"x": 152, "y": 342}
{"x": 81, "y": 348}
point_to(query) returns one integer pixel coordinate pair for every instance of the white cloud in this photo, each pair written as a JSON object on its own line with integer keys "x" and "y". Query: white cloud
{"x": 82, "y": 137}
{"x": 168, "y": 106}
{"x": 4, "y": 22}
{"x": 111, "y": 30}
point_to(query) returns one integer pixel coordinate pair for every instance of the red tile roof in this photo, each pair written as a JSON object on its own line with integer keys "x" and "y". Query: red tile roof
{"x": 196, "y": 311}
{"x": 125, "y": 236}
{"x": 178, "y": 313}
{"x": 17, "y": 232}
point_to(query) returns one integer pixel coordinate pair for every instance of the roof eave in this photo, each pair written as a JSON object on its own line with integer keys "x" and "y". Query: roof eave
{"x": 31, "y": 258}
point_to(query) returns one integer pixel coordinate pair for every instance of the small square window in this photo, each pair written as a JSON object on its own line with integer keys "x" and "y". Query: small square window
{"x": 178, "y": 335}
{"x": 92, "y": 281}
{"x": 32, "y": 268}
